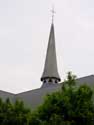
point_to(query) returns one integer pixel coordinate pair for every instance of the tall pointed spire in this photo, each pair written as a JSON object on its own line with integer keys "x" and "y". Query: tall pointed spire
{"x": 50, "y": 73}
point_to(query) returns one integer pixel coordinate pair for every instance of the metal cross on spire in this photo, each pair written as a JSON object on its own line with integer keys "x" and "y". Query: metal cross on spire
{"x": 53, "y": 13}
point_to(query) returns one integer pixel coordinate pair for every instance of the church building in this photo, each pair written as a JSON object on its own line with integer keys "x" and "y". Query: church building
{"x": 50, "y": 79}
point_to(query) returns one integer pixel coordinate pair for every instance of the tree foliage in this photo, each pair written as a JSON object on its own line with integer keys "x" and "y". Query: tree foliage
{"x": 70, "y": 106}
{"x": 13, "y": 114}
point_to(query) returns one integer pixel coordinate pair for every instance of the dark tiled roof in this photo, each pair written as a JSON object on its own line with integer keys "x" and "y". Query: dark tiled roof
{"x": 33, "y": 98}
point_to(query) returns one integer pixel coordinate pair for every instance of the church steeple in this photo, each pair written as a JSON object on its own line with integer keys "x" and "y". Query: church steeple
{"x": 50, "y": 74}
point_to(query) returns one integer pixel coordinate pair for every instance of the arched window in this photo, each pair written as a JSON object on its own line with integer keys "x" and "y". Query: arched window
{"x": 55, "y": 81}
{"x": 44, "y": 81}
{"x": 50, "y": 80}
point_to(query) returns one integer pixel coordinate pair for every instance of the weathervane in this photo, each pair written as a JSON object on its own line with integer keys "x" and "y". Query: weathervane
{"x": 53, "y": 14}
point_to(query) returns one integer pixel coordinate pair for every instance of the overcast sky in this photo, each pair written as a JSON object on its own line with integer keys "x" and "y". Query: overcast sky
{"x": 24, "y": 32}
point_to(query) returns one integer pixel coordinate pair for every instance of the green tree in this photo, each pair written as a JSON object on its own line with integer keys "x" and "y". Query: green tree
{"x": 70, "y": 106}
{"x": 14, "y": 114}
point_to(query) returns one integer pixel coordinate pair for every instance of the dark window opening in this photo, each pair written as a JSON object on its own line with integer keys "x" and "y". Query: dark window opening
{"x": 55, "y": 81}
{"x": 50, "y": 80}
{"x": 44, "y": 81}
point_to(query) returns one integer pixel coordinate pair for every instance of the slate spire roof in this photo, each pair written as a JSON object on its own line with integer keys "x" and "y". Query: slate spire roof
{"x": 50, "y": 68}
